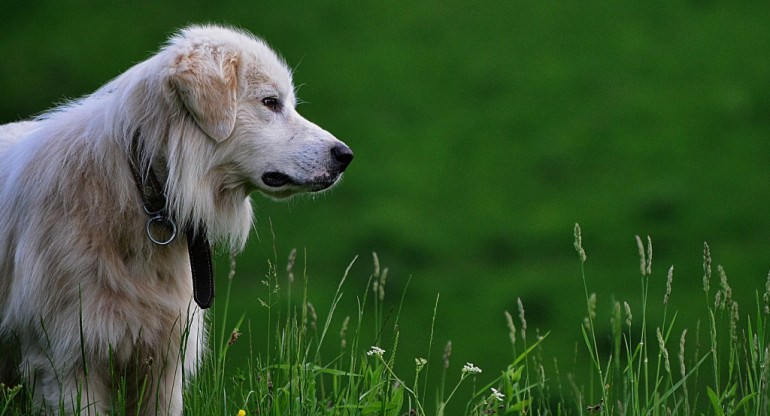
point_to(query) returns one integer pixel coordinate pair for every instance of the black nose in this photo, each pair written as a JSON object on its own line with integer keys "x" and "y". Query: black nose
{"x": 343, "y": 155}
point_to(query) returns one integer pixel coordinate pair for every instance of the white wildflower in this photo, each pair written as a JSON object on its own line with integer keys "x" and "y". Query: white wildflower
{"x": 499, "y": 396}
{"x": 469, "y": 368}
{"x": 376, "y": 351}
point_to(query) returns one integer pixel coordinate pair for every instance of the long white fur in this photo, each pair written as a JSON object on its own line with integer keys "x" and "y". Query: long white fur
{"x": 78, "y": 275}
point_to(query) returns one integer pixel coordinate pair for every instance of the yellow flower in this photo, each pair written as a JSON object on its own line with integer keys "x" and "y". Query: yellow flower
{"x": 241, "y": 412}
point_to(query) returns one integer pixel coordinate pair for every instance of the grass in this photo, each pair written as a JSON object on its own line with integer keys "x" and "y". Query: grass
{"x": 725, "y": 374}
{"x": 718, "y": 365}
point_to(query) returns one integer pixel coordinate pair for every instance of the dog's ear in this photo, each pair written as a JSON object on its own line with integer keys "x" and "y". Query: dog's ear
{"x": 206, "y": 81}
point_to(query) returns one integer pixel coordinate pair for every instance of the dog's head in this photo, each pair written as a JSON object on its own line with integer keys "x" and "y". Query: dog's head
{"x": 240, "y": 94}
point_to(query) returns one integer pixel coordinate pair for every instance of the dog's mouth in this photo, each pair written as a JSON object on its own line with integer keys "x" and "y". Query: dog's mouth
{"x": 281, "y": 185}
{"x": 276, "y": 179}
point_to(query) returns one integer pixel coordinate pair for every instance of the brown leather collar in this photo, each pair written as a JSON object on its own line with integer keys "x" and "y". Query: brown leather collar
{"x": 155, "y": 206}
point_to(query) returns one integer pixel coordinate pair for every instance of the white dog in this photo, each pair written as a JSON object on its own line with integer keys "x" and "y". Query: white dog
{"x": 92, "y": 192}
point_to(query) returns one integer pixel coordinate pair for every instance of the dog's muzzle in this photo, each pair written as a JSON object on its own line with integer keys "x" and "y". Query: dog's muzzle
{"x": 340, "y": 160}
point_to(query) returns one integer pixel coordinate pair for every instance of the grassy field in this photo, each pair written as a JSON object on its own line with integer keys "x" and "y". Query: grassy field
{"x": 720, "y": 364}
{"x": 483, "y": 131}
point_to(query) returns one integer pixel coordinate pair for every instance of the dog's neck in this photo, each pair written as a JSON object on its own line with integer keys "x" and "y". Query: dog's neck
{"x": 155, "y": 205}
{"x": 147, "y": 183}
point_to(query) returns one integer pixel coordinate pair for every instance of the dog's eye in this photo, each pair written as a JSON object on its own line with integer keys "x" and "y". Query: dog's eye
{"x": 272, "y": 103}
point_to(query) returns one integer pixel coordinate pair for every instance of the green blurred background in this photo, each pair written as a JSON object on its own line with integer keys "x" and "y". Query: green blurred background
{"x": 483, "y": 131}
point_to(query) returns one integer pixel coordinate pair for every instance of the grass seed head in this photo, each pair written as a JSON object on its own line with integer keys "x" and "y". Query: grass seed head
{"x": 734, "y": 317}
{"x": 616, "y": 318}
{"x": 645, "y": 258}
{"x": 627, "y": 307}
{"x": 523, "y": 320}
{"x": 232, "y": 266}
{"x": 642, "y": 257}
{"x": 313, "y": 316}
{"x": 682, "y": 370}
{"x": 579, "y": 244}
{"x": 376, "y": 265}
{"x": 591, "y": 311}
{"x": 383, "y": 280}
{"x": 511, "y": 327}
{"x": 707, "y": 267}
{"x": 766, "y": 296}
{"x": 649, "y": 255}
{"x": 663, "y": 350}
{"x": 669, "y": 279}
{"x": 420, "y": 363}
{"x": 447, "y": 353}
{"x": 727, "y": 291}
{"x": 234, "y": 336}
{"x": 344, "y": 331}
{"x": 290, "y": 264}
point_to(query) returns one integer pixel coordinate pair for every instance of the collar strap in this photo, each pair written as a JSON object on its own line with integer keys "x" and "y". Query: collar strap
{"x": 200, "y": 264}
{"x": 155, "y": 206}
